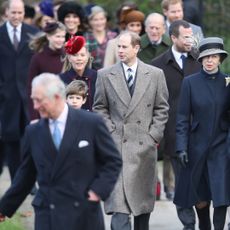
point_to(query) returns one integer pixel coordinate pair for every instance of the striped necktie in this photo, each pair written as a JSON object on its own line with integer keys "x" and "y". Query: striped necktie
{"x": 15, "y": 39}
{"x": 130, "y": 78}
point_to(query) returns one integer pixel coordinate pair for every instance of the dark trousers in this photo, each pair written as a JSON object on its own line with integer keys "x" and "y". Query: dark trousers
{"x": 186, "y": 215}
{"x": 121, "y": 221}
{"x": 12, "y": 155}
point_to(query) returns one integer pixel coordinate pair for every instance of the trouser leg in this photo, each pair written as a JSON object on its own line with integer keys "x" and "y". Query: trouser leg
{"x": 141, "y": 222}
{"x": 219, "y": 217}
{"x": 120, "y": 221}
{"x": 13, "y": 155}
{"x": 168, "y": 177}
{"x": 187, "y": 217}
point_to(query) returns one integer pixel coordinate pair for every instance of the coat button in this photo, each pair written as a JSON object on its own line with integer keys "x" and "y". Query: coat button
{"x": 138, "y": 122}
{"x": 52, "y": 206}
{"x": 124, "y": 140}
{"x": 140, "y": 143}
{"x": 76, "y": 204}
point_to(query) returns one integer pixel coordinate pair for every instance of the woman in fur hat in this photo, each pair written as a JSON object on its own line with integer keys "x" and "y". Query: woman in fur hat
{"x": 131, "y": 20}
{"x": 201, "y": 133}
{"x": 72, "y": 15}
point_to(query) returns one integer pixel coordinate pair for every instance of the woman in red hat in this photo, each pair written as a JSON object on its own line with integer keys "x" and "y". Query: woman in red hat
{"x": 48, "y": 47}
{"x": 76, "y": 67}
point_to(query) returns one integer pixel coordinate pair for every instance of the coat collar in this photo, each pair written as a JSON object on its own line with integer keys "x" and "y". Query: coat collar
{"x": 117, "y": 79}
{"x": 145, "y": 42}
{"x": 23, "y": 40}
{"x": 57, "y": 158}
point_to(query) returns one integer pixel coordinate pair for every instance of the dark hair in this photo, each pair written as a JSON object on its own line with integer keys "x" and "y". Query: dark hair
{"x": 29, "y": 11}
{"x": 68, "y": 8}
{"x": 174, "y": 27}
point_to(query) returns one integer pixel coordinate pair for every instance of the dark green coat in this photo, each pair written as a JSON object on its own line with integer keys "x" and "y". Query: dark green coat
{"x": 148, "y": 51}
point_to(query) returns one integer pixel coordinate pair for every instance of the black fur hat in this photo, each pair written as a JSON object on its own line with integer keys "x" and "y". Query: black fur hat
{"x": 68, "y": 8}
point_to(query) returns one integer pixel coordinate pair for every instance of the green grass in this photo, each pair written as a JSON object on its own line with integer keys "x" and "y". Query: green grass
{"x": 13, "y": 223}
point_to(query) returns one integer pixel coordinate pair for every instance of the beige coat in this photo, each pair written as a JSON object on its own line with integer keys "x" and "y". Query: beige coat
{"x": 137, "y": 124}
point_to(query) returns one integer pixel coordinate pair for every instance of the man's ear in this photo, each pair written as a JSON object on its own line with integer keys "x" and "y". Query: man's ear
{"x": 137, "y": 48}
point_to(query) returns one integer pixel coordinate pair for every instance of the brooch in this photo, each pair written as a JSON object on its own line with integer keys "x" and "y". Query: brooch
{"x": 227, "y": 81}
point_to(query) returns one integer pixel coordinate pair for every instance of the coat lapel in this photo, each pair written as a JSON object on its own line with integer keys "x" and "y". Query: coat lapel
{"x": 143, "y": 78}
{"x": 23, "y": 40}
{"x": 46, "y": 142}
{"x": 119, "y": 84}
{"x": 6, "y": 38}
{"x": 70, "y": 136}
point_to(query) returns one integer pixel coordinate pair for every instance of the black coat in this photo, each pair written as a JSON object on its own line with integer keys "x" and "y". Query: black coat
{"x": 13, "y": 83}
{"x": 174, "y": 77}
{"x": 89, "y": 76}
{"x": 201, "y": 129}
{"x": 66, "y": 176}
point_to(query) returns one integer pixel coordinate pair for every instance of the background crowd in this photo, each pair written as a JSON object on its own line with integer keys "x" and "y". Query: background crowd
{"x": 78, "y": 42}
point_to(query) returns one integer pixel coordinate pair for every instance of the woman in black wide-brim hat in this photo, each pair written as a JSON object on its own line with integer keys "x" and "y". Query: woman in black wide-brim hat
{"x": 72, "y": 15}
{"x": 201, "y": 133}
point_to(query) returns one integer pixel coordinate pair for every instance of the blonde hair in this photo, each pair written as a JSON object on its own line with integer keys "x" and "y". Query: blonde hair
{"x": 67, "y": 65}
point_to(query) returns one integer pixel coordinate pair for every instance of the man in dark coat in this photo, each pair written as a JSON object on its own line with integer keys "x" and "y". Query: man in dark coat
{"x": 72, "y": 156}
{"x": 15, "y": 57}
{"x": 175, "y": 69}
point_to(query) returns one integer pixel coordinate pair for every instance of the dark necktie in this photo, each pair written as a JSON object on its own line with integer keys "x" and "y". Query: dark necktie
{"x": 130, "y": 78}
{"x": 183, "y": 58}
{"x": 15, "y": 39}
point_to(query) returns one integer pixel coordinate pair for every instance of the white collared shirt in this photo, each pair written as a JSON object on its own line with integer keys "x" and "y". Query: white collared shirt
{"x": 61, "y": 121}
{"x": 177, "y": 56}
{"x": 133, "y": 68}
{"x": 10, "y": 30}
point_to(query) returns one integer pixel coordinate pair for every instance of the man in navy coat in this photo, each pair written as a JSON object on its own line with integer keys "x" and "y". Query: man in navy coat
{"x": 15, "y": 57}
{"x": 73, "y": 158}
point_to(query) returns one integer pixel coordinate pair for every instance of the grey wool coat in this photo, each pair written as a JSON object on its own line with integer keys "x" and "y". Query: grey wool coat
{"x": 136, "y": 124}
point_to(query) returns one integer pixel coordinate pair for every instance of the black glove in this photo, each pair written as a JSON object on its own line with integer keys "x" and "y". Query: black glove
{"x": 183, "y": 158}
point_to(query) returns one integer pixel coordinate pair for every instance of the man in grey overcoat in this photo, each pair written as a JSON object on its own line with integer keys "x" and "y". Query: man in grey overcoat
{"x": 132, "y": 98}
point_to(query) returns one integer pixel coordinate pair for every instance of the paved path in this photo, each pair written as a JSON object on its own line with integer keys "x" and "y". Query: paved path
{"x": 163, "y": 217}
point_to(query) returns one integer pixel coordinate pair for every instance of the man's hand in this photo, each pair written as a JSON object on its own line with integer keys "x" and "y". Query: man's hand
{"x": 183, "y": 158}
{"x": 2, "y": 217}
{"x": 92, "y": 196}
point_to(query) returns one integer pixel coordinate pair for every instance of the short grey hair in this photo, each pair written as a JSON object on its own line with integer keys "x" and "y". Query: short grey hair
{"x": 151, "y": 17}
{"x": 52, "y": 84}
